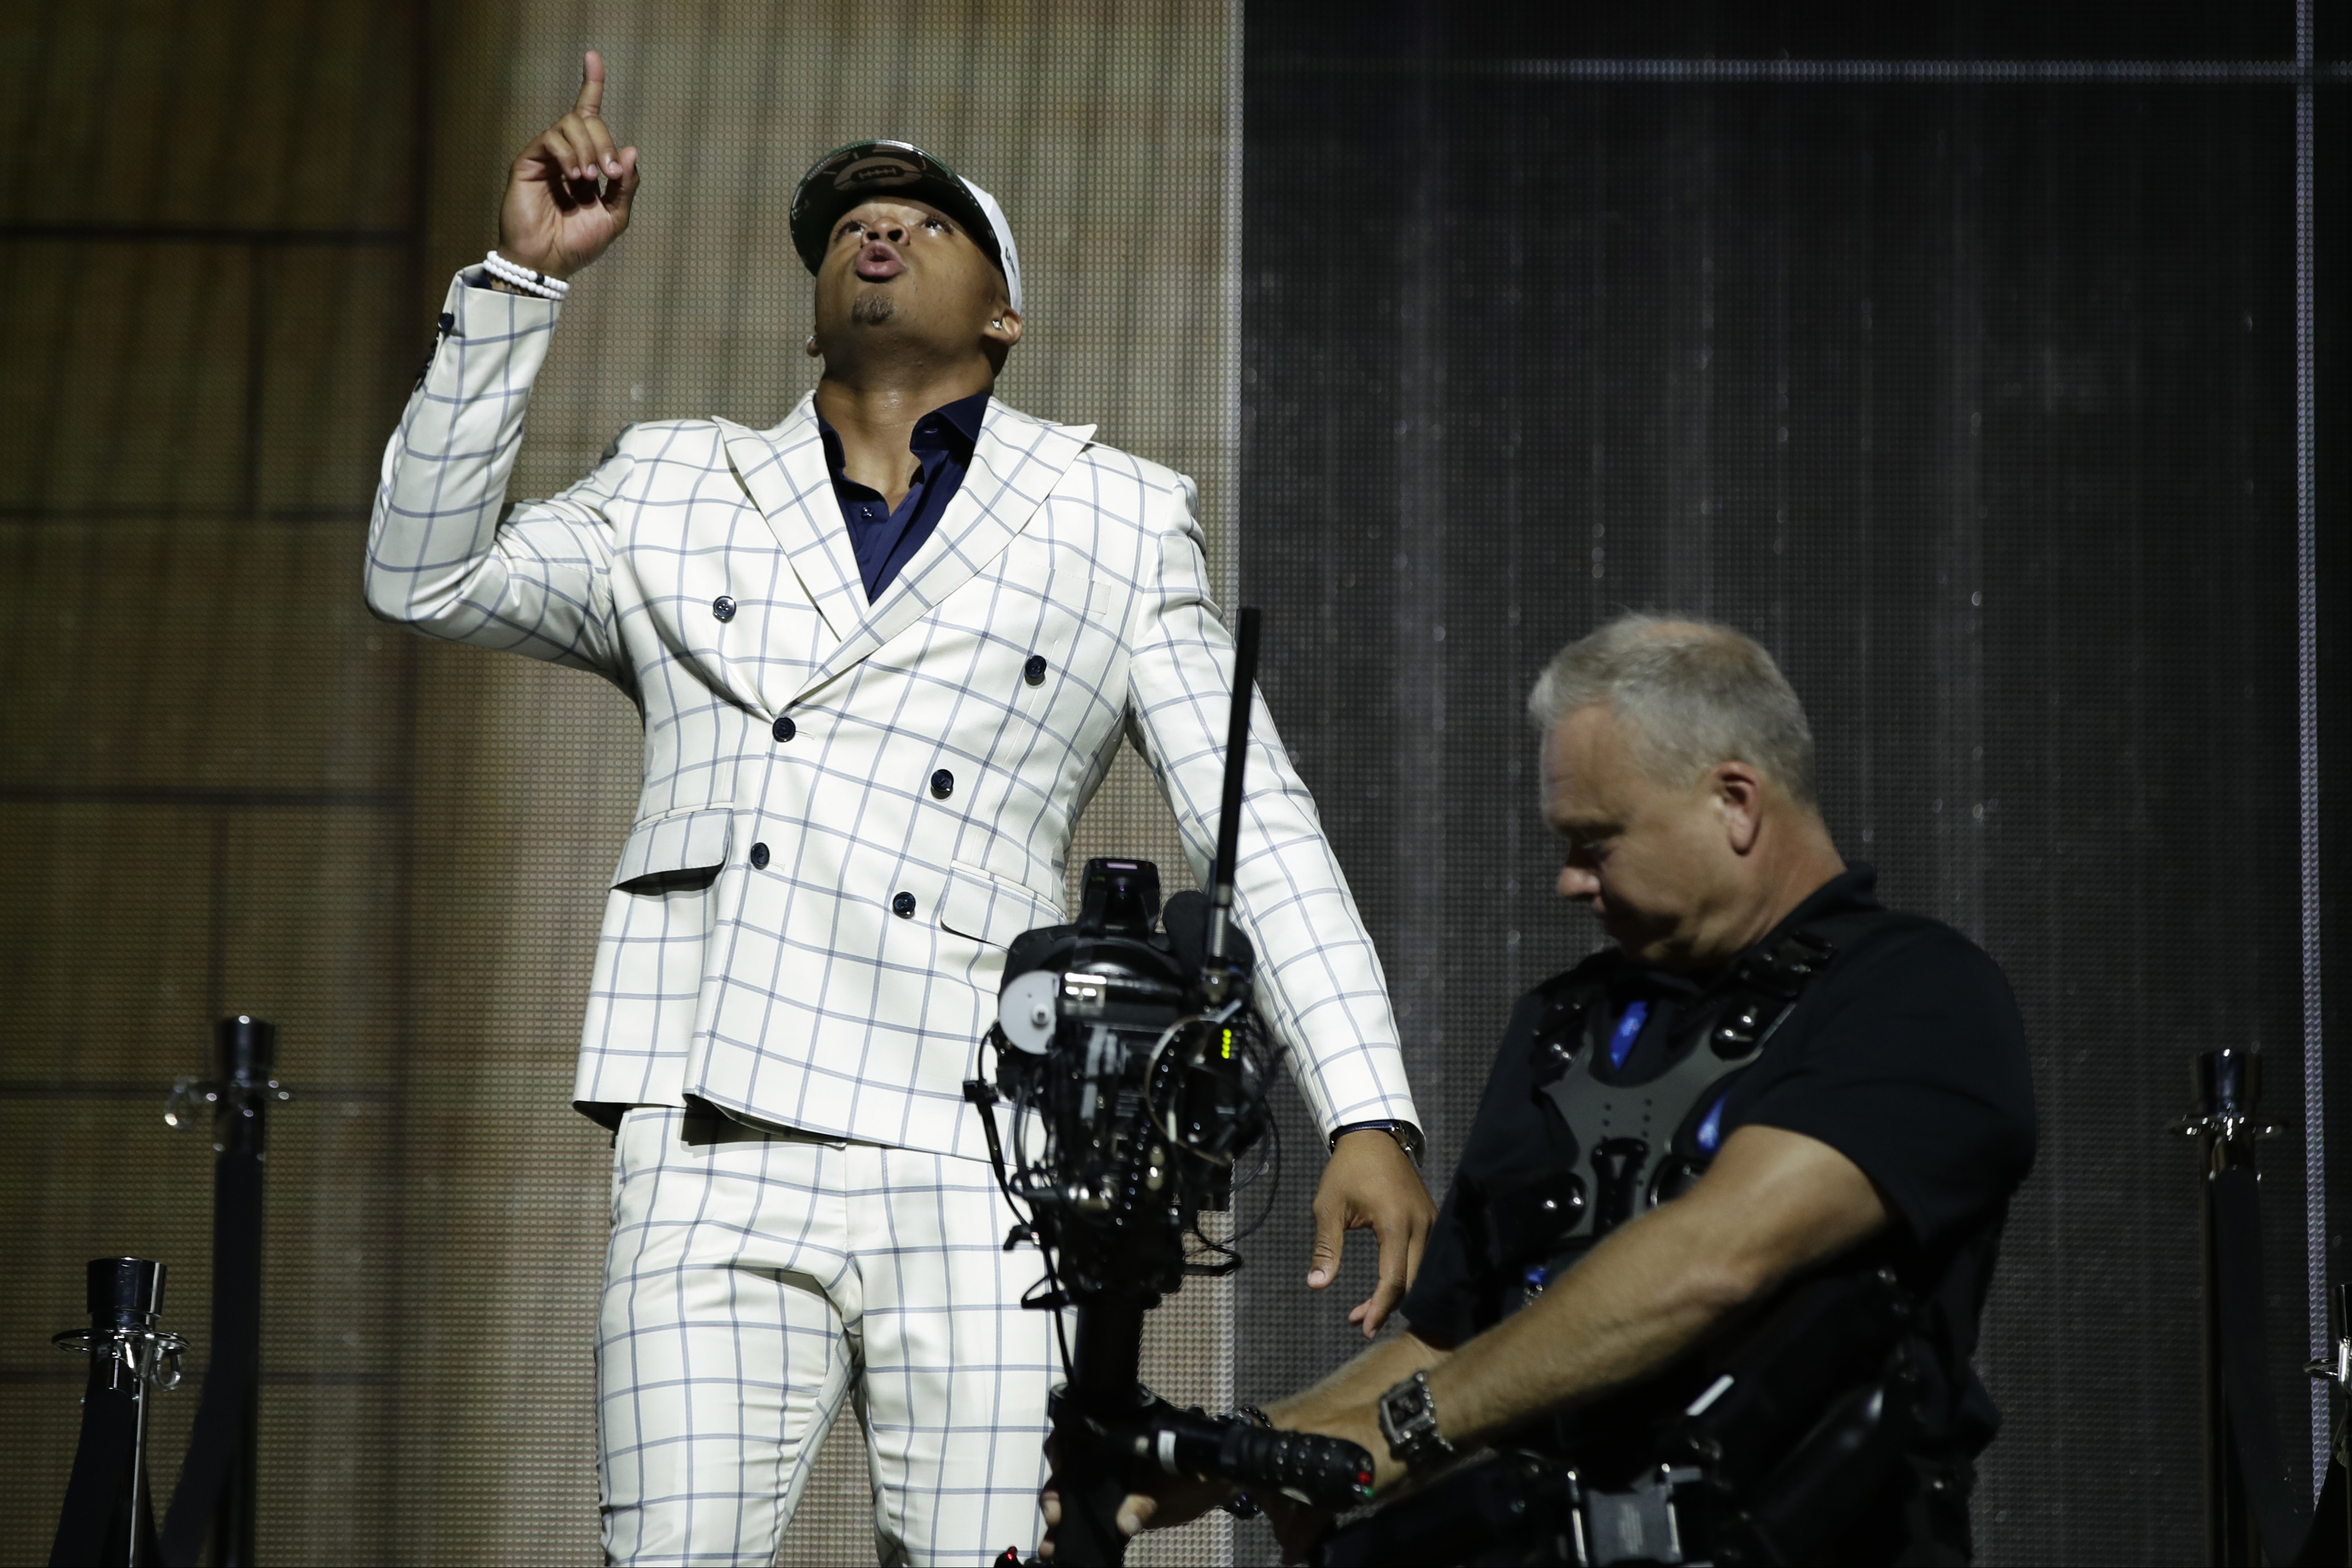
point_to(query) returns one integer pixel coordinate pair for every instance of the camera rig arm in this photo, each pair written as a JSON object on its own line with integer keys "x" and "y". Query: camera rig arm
{"x": 1229, "y": 811}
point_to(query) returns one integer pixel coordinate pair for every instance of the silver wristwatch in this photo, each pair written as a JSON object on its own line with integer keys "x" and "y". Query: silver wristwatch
{"x": 1409, "y": 1421}
{"x": 1408, "y": 1137}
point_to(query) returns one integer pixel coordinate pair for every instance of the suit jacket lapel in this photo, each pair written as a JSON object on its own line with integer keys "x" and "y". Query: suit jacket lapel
{"x": 1015, "y": 464}
{"x": 783, "y": 472}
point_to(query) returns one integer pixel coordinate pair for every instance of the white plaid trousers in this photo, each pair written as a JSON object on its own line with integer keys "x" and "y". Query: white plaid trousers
{"x": 758, "y": 1278}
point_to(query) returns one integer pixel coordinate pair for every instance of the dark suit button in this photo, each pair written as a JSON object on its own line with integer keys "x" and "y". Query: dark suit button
{"x": 723, "y": 607}
{"x": 942, "y": 784}
{"x": 1034, "y": 672}
{"x": 759, "y": 857}
{"x": 903, "y": 906}
{"x": 785, "y": 729}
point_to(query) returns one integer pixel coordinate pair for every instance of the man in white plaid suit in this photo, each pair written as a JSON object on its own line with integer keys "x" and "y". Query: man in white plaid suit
{"x": 885, "y": 653}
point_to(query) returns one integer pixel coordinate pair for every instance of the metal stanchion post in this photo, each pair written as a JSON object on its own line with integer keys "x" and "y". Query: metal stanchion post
{"x": 2335, "y": 1521}
{"x": 108, "y": 1518}
{"x": 217, "y": 1491}
{"x": 2229, "y": 1085}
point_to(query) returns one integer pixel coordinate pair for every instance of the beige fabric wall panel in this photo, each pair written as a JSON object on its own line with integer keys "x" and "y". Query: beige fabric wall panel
{"x": 223, "y": 787}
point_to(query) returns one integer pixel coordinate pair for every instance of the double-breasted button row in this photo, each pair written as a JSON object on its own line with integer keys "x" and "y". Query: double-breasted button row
{"x": 903, "y": 906}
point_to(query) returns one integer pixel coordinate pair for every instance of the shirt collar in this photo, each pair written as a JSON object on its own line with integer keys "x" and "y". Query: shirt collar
{"x": 962, "y": 418}
{"x": 1849, "y": 890}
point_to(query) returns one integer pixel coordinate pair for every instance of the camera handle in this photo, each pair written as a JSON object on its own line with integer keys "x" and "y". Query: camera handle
{"x": 1111, "y": 1436}
{"x": 1102, "y": 1396}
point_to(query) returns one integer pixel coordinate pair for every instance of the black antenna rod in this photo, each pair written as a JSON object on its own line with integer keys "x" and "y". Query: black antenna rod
{"x": 1229, "y": 819}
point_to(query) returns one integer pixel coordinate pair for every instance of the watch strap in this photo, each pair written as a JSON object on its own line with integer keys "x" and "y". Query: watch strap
{"x": 1408, "y": 1137}
{"x": 1408, "y": 1417}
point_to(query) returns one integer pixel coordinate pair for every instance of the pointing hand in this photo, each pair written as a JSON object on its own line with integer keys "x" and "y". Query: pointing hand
{"x": 569, "y": 194}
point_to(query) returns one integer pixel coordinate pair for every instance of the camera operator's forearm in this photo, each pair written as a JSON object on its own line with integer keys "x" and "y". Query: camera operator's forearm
{"x": 1634, "y": 1304}
{"x": 1638, "y": 1301}
{"x": 1357, "y": 1383}
{"x": 1774, "y": 1204}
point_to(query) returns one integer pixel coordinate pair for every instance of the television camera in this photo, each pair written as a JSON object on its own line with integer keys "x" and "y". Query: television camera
{"x": 1135, "y": 1070}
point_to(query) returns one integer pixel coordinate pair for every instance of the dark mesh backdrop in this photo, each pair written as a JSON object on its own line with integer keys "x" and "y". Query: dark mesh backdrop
{"x": 1976, "y": 402}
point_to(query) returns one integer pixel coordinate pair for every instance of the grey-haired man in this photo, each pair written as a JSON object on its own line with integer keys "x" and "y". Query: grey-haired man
{"x": 1765, "y": 1076}
{"x": 885, "y": 651}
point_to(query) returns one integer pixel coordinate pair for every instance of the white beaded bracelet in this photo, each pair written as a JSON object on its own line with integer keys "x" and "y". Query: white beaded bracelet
{"x": 524, "y": 278}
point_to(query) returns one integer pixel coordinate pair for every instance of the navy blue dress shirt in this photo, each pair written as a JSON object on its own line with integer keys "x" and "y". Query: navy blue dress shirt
{"x": 884, "y": 538}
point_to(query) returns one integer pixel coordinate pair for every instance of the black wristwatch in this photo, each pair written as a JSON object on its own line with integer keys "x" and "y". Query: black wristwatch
{"x": 1409, "y": 1421}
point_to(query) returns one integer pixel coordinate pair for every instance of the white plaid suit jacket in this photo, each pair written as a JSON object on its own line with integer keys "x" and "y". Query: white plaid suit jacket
{"x": 850, "y": 809}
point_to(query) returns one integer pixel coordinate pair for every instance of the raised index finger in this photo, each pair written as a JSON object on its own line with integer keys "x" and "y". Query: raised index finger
{"x": 591, "y": 84}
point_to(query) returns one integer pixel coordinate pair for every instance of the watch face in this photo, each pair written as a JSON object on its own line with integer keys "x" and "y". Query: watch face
{"x": 1395, "y": 1414}
{"x": 1408, "y": 1419}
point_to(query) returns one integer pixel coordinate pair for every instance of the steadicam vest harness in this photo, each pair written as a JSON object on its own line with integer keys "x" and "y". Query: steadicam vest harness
{"x": 1761, "y": 1446}
{"x": 1635, "y": 1145}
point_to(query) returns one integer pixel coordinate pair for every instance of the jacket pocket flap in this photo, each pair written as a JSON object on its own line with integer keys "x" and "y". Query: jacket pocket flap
{"x": 680, "y": 841}
{"x": 989, "y": 909}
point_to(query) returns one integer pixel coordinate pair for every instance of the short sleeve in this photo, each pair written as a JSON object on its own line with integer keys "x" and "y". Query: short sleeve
{"x": 1509, "y": 1140}
{"x": 1440, "y": 1307}
{"x": 1918, "y": 1072}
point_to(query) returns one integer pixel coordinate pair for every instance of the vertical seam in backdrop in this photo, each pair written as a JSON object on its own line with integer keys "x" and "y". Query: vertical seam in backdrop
{"x": 2306, "y": 662}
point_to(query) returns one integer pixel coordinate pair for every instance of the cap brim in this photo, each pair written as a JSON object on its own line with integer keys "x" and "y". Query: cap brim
{"x": 871, "y": 171}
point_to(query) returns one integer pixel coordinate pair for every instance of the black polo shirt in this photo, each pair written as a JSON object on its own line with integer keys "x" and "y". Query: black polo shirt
{"x": 1905, "y": 1054}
